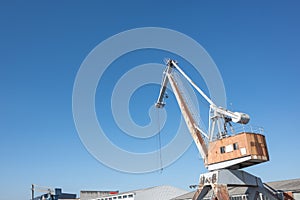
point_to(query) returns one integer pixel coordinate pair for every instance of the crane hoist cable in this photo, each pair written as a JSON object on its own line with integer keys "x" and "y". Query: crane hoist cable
{"x": 159, "y": 140}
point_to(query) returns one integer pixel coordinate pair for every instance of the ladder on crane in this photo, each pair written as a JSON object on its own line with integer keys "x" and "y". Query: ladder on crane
{"x": 226, "y": 155}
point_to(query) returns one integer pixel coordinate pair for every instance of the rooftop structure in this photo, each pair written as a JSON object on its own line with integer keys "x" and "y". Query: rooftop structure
{"x": 164, "y": 192}
{"x": 56, "y": 195}
{"x": 287, "y": 190}
{"x": 92, "y": 194}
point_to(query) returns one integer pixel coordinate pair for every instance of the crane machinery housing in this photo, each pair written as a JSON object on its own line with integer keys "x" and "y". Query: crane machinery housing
{"x": 223, "y": 154}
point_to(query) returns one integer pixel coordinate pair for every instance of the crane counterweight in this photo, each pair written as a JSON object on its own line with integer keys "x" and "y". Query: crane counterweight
{"x": 242, "y": 118}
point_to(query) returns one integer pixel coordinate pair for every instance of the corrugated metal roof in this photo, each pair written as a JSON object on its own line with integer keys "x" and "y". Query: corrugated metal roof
{"x": 185, "y": 196}
{"x": 286, "y": 185}
{"x": 163, "y": 192}
{"x": 158, "y": 193}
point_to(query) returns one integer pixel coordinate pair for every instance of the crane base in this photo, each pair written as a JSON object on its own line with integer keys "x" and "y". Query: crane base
{"x": 225, "y": 184}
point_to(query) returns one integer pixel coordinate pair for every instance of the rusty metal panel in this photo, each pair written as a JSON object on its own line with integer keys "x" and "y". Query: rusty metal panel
{"x": 201, "y": 192}
{"x": 239, "y": 146}
{"x": 288, "y": 196}
{"x": 221, "y": 192}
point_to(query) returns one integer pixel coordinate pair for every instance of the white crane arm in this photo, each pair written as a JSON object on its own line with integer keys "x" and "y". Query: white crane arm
{"x": 236, "y": 117}
{"x": 192, "y": 83}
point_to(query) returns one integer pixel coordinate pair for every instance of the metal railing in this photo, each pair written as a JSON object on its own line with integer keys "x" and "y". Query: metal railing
{"x": 241, "y": 128}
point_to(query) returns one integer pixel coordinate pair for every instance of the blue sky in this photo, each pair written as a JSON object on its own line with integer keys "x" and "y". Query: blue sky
{"x": 42, "y": 45}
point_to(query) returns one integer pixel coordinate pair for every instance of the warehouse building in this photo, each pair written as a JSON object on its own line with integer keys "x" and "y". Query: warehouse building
{"x": 91, "y": 194}
{"x": 287, "y": 190}
{"x": 289, "y": 187}
{"x": 158, "y": 193}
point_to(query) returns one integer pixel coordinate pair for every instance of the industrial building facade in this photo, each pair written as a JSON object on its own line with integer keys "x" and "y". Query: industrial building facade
{"x": 154, "y": 193}
{"x": 284, "y": 190}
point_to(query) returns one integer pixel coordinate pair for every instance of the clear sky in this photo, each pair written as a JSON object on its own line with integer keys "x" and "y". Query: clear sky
{"x": 255, "y": 45}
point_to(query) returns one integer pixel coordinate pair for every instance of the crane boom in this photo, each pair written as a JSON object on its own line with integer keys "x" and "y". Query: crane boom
{"x": 190, "y": 121}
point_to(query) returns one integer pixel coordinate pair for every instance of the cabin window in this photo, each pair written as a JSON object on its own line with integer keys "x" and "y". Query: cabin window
{"x": 131, "y": 195}
{"x": 235, "y": 146}
{"x": 222, "y": 149}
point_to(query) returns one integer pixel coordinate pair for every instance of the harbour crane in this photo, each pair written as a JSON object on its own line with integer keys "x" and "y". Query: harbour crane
{"x": 223, "y": 154}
